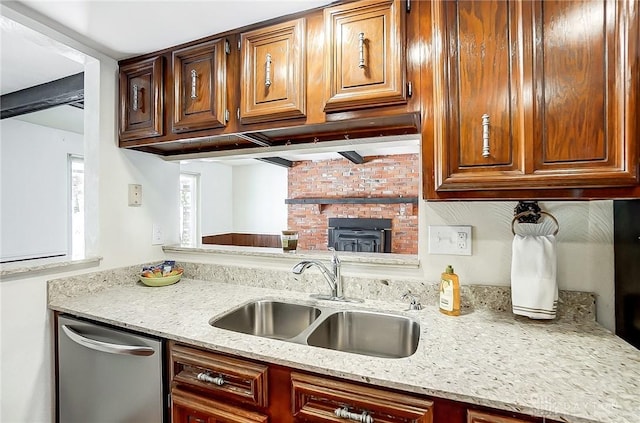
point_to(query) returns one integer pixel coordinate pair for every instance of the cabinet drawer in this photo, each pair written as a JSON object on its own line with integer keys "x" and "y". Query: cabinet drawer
{"x": 317, "y": 399}
{"x": 480, "y": 417}
{"x": 191, "y": 408}
{"x": 222, "y": 376}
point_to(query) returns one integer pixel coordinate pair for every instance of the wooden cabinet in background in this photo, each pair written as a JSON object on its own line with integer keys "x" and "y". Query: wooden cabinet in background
{"x": 200, "y": 86}
{"x": 142, "y": 99}
{"x": 365, "y": 61}
{"x": 534, "y": 95}
{"x": 273, "y": 72}
{"x": 317, "y": 399}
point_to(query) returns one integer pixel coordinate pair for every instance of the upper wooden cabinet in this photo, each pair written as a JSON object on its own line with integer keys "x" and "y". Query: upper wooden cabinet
{"x": 534, "y": 95}
{"x": 200, "y": 86}
{"x": 365, "y": 54}
{"x": 141, "y": 99}
{"x": 273, "y": 73}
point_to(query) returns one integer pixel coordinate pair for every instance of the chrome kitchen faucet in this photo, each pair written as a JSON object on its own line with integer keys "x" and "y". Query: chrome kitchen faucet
{"x": 333, "y": 277}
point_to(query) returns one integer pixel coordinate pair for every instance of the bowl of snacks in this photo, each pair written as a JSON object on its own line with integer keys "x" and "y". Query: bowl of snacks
{"x": 163, "y": 274}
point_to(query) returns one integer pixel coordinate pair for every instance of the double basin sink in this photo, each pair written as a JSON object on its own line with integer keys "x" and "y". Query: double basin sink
{"x": 355, "y": 331}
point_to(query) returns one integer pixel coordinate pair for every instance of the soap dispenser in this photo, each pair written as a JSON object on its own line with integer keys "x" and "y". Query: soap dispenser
{"x": 450, "y": 292}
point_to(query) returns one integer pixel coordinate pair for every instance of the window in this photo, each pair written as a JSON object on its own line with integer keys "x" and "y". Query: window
{"x": 189, "y": 208}
{"x": 76, "y": 203}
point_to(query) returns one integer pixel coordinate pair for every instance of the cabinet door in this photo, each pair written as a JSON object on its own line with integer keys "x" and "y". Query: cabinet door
{"x": 585, "y": 124}
{"x": 317, "y": 399}
{"x": 141, "y": 99}
{"x": 481, "y": 417}
{"x": 273, "y": 73}
{"x": 200, "y": 78}
{"x": 479, "y": 134}
{"x": 187, "y": 407}
{"x": 365, "y": 55}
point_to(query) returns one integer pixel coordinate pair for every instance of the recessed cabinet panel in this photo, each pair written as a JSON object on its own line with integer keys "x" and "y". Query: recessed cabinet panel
{"x": 364, "y": 55}
{"x": 199, "y": 75}
{"x": 141, "y": 99}
{"x": 273, "y": 73}
{"x": 534, "y": 94}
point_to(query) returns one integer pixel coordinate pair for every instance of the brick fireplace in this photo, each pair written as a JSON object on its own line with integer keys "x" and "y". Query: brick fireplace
{"x": 383, "y": 187}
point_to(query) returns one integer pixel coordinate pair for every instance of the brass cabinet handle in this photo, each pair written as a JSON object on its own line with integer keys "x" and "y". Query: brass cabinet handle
{"x": 135, "y": 97}
{"x": 361, "y": 64}
{"x": 194, "y": 77}
{"x": 205, "y": 377}
{"x": 267, "y": 78}
{"x": 344, "y": 413}
{"x": 485, "y": 136}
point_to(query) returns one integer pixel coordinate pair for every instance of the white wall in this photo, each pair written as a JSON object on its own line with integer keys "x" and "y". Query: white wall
{"x": 34, "y": 187}
{"x": 216, "y": 197}
{"x": 117, "y": 232}
{"x": 259, "y": 191}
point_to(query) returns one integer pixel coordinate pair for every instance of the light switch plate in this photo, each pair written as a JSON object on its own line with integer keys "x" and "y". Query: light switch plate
{"x": 135, "y": 195}
{"x": 452, "y": 240}
{"x": 157, "y": 238}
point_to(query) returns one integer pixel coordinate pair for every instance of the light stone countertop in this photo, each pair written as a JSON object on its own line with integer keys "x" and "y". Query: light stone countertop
{"x": 562, "y": 370}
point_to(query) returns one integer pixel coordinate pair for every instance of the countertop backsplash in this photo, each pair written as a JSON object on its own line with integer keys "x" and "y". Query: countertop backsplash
{"x": 572, "y": 305}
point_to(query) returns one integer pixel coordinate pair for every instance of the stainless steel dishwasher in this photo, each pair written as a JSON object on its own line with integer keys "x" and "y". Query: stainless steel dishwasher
{"x": 108, "y": 375}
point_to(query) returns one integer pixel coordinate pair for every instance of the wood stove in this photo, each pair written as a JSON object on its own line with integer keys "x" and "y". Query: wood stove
{"x": 360, "y": 235}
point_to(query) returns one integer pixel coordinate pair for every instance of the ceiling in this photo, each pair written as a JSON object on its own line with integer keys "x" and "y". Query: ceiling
{"x": 123, "y": 29}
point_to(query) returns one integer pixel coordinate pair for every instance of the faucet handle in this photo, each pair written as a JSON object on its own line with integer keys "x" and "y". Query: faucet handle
{"x": 334, "y": 259}
{"x": 413, "y": 301}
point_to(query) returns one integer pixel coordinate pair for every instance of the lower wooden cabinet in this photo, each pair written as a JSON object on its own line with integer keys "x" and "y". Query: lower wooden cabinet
{"x": 481, "y": 417}
{"x": 208, "y": 387}
{"x": 193, "y": 408}
{"x": 318, "y": 399}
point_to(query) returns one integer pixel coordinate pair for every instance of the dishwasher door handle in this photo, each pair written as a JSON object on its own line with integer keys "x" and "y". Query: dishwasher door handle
{"x": 106, "y": 346}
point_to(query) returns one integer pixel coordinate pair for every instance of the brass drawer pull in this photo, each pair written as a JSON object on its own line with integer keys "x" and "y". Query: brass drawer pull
{"x": 205, "y": 377}
{"x": 344, "y": 413}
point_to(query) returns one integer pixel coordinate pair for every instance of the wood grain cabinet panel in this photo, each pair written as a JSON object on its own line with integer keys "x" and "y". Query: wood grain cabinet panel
{"x": 221, "y": 376}
{"x": 142, "y": 99}
{"x": 365, "y": 55}
{"x": 482, "y": 417}
{"x": 200, "y": 86}
{"x": 316, "y": 399}
{"x": 534, "y": 94}
{"x": 273, "y": 73}
{"x": 187, "y": 407}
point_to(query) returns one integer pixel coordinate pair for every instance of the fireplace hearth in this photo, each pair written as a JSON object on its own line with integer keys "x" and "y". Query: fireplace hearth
{"x": 360, "y": 235}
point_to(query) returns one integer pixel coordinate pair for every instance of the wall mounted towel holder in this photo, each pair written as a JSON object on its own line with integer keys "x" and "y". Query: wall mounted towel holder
{"x": 530, "y": 212}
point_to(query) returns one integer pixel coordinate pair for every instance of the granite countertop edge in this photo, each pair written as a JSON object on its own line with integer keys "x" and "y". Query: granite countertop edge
{"x": 471, "y": 358}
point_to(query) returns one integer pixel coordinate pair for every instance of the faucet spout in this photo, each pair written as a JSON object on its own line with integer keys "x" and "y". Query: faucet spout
{"x": 333, "y": 277}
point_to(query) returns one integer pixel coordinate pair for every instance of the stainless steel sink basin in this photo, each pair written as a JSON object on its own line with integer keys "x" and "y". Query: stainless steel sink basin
{"x": 269, "y": 319}
{"x": 368, "y": 333}
{"x": 354, "y": 331}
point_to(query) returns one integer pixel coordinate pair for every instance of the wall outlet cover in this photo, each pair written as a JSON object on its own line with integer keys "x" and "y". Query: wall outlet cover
{"x": 135, "y": 195}
{"x": 452, "y": 240}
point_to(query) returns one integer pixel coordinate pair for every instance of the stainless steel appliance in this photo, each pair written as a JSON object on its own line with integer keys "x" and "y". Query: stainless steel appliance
{"x": 108, "y": 375}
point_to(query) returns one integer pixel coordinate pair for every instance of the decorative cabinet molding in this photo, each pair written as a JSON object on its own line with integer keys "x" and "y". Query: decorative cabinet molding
{"x": 317, "y": 399}
{"x": 200, "y": 87}
{"x": 273, "y": 72}
{"x": 534, "y": 95}
{"x": 365, "y": 61}
{"x": 142, "y": 99}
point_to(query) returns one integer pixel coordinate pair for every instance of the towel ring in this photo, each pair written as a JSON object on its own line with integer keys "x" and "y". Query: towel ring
{"x": 526, "y": 213}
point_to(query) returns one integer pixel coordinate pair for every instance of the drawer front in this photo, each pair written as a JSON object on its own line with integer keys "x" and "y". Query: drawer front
{"x": 224, "y": 377}
{"x": 317, "y": 399}
{"x": 481, "y": 417}
{"x": 187, "y": 407}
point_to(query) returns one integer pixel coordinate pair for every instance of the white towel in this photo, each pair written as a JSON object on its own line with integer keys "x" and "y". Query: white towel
{"x": 534, "y": 289}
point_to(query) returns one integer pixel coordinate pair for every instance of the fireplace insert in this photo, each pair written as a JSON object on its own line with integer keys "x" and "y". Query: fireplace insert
{"x": 360, "y": 235}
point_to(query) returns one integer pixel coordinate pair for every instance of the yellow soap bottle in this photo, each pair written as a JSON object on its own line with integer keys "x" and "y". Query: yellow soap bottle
{"x": 449, "y": 292}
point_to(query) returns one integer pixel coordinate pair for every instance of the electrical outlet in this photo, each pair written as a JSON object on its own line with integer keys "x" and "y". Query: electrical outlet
{"x": 157, "y": 238}
{"x": 453, "y": 240}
